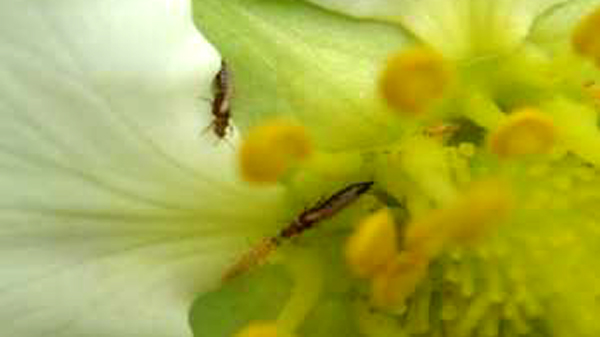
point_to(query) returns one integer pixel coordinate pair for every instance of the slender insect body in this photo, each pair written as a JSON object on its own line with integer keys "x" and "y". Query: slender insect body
{"x": 220, "y": 125}
{"x": 305, "y": 221}
{"x": 221, "y": 105}
{"x": 336, "y": 202}
{"x": 325, "y": 209}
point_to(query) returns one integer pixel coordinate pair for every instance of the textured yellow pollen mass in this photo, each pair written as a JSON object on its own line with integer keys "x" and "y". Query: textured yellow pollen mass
{"x": 524, "y": 132}
{"x": 259, "y": 329}
{"x": 269, "y": 150}
{"x": 373, "y": 245}
{"x": 414, "y": 79}
{"x": 586, "y": 36}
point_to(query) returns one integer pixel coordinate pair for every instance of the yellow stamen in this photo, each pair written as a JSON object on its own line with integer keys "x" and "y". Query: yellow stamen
{"x": 466, "y": 220}
{"x": 270, "y": 150}
{"x": 586, "y": 36}
{"x": 373, "y": 245}
{"x": 483, "y": 205}
{"x": 525, "y": 132}
{"x": 414, "y": 79}
{"x": 391, "y": 287}
{"x": 259, "y": 329}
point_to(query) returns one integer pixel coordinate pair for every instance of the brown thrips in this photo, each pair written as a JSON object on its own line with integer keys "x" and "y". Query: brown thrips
{"x": 324, "y": 209}
{"x": 221, "y": 108}
{"x": 306, "y": 220}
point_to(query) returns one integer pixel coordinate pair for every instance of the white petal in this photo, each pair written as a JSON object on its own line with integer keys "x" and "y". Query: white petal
{"x": 115, "y": 211}
{"x": 457, "y": 27}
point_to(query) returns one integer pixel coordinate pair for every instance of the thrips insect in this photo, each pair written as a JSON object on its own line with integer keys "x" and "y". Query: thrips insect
{"x": 325, "y": 209}
{"x": 221, "y": 105}
{"x": 306, "y": 220}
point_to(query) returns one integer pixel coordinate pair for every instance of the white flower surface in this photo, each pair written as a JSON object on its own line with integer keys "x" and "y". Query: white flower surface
{"x": 116, "y": 208}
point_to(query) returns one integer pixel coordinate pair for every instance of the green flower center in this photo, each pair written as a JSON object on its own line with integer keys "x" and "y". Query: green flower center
{"x": 435, "y": 244}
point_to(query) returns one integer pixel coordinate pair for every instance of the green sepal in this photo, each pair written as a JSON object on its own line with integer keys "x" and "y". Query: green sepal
{"x": 261, "y": 295}
{"x": 256, "y": 296}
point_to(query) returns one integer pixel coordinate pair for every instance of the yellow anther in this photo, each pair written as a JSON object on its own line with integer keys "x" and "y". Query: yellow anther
{"x": 270, "y": 150}
{"x": 525, "y": 132}
{"x": 464, "y": 221}
{"x": 482, "y": 206}
{"x": 259, "y": 329}
{"x": 414, "y": 79}
{"x": 390, "y": 288}
{"x": 373, "y": 245}
{"x": 586, "y": 36}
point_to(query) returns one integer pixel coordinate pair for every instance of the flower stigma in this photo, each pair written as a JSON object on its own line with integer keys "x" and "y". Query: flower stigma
{"x": 491, "y": 167}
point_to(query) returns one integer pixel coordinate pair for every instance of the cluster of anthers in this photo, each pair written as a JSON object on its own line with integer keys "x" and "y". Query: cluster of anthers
{"x": 421, "y": 84}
